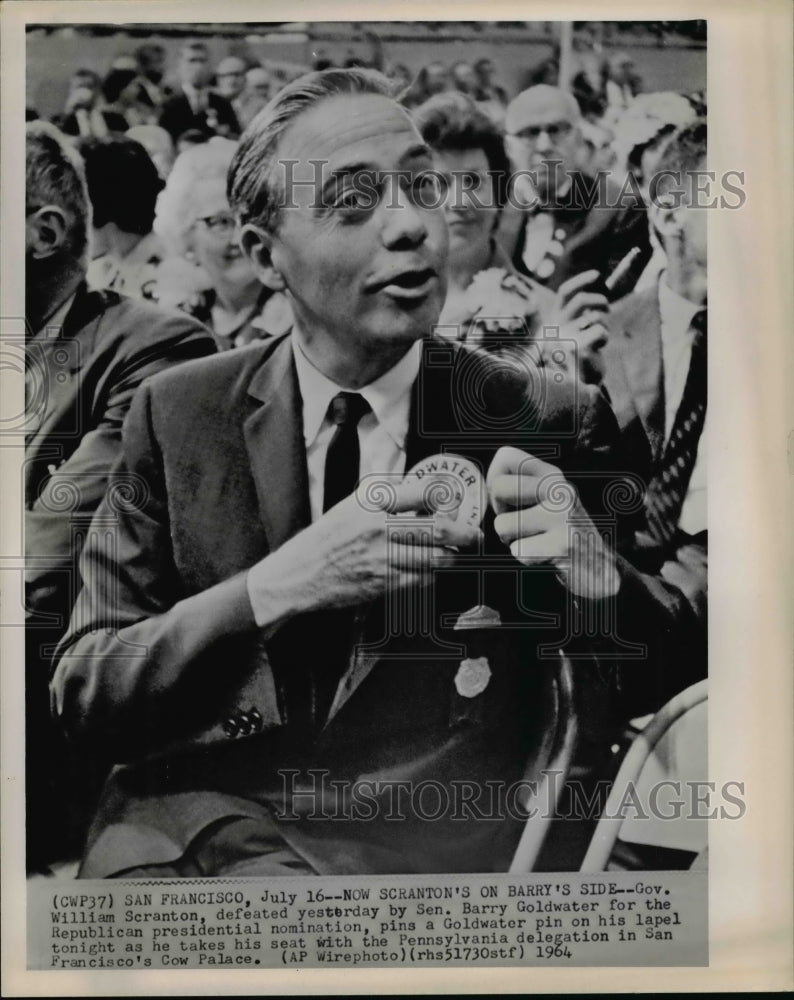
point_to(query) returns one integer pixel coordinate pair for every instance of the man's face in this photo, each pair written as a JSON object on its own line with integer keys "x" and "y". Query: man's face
{"x": 362, "y": 258}
{"x": 156, "y": 68}
{"x": 550, "y": 140}
{"x": 257, "y": 81}
{"x": 436, "y": 78}
{"x": 194, "y": 67}
{"x": 694, "y": 224}
{"x": 231, "y": 78}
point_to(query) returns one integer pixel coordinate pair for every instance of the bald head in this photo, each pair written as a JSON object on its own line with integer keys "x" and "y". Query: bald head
{"x": 541, "y": 105}
{"x": 230, "y": 74}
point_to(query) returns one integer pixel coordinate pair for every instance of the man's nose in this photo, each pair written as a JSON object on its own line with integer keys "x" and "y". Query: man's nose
{"x": 543, "y": 142}
{"x": 404, "y": 221}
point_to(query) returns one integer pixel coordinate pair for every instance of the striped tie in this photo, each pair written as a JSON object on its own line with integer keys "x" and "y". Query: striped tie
{"x": 668, "y": 488}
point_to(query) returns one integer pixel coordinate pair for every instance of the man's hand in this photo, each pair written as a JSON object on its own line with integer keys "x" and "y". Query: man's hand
{"x": 353, "y": 555}
{"x": 540, "y": 518}
{"x": 581, "y": 316}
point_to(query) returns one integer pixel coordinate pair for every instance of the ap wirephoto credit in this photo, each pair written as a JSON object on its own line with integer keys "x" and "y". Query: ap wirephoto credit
{"x": 366, "y": 441}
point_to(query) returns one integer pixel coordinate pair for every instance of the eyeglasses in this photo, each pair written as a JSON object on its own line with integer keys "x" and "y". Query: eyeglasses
{"x": 222, "y": 224}
{"x": 554, "y": 130}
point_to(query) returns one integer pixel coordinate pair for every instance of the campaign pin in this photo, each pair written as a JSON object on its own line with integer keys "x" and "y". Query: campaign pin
{"x": 472, "y": 677}
{"x": 452, "y": 485}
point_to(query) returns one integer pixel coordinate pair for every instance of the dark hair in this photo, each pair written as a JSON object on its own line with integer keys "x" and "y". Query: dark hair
{"x": 116, "y": 82}
{"x": 145, "y": 52}
{"x": 686, "y": 150}
{"x": 55, "y": 175}
{"x": 88, "y": 74}
{"x": 453, "y": 121}
{"x": 123, "y": 183}
{"x": 251, "y": 186}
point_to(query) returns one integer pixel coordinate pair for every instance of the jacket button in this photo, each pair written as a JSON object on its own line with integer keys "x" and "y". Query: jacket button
{"x": 245, "y": 723}
{"x": 256, "y": 719}
{"x": 230, "y": 728}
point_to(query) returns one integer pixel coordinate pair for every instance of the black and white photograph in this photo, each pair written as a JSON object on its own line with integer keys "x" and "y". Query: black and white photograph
{"x": 365, "y": 483}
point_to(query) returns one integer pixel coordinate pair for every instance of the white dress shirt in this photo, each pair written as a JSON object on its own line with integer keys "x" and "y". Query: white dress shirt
{"x": 382, "y": 432}
{"x": 678, "y": 334}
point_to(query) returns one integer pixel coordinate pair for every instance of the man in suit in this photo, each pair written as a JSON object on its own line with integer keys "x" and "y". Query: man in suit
{"x": 273, "y": 656}
{"x": 572, "y": 222}
{"x": 195, "y": 106}
{"x": 87, "y": 352}
{"x": 84, "y": 115}
{"x": 655, "y": 373}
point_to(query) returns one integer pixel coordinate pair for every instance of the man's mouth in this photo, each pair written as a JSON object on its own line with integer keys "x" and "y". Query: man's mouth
{"x": 412, "y": 284}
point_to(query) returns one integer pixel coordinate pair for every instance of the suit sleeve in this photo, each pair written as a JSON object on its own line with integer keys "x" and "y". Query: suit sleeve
{"x": 139, "y": 662}
{"x": 655, "y": 632}
{"x": 77, "y": 487}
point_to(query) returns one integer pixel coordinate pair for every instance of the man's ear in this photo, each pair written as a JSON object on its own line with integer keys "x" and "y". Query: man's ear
{"x": 47, "y": 231}
{"x": 667, "y": 218}
{"x": 257, "y": 245}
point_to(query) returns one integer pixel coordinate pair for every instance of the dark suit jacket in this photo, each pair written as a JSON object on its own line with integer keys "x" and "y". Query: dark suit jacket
{"x": 80, "y": 385}
{"x": 634, "y": 379}
{"x": 595, "y": 226}
{"x": 177, "y": 116}
{"x": 204, "y": 710}
{"x": 114, "y": 121}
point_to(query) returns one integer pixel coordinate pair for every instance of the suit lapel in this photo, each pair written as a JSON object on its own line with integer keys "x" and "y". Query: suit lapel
{"x": 276, "y": 450}
{"x": 642, "y": 364}
{"x": 54, "y": 364}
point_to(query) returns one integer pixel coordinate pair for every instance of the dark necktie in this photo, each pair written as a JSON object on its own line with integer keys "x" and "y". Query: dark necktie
{"x": 331, "y": 633}
{"x": 343, "y": 457}
{"x": 668, "y": 488}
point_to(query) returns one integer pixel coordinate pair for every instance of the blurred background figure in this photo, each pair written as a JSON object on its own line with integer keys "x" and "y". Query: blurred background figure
{"x": 146, "y": 92}
{"x": 431, "y": 79}
{"x": 572, "y": 221}
{"x": 195, "y": 106}
{"x": 621, "y": 85}
{"x": 205, "y": 272}
{"x": 401, "y": 75}
{"x": 230, "y": 81}
{"x": 157, "y": 143}
{"x": 489, "y": 304}
{"x": 489, "y": 95}
{"x": 258, "y": 91}
{"x": 597, "y": 152}
{"x": 123, "y": 185}
{"x": 463, "y": 78}
{"x": 84, "y": 113}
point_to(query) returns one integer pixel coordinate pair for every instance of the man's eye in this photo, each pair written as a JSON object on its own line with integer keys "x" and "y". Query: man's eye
{"x": 429, "y": 189}
{"x": 355, "y": 200}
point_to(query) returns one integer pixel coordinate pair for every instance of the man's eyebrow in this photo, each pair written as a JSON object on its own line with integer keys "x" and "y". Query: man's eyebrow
{"x": 351, "y": 169}
{"x": 417, "y": 152}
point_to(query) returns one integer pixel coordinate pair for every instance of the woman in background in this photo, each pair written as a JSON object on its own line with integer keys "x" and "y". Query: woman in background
{"x": 205, "y": 272}
{"x": 489, "y": 304}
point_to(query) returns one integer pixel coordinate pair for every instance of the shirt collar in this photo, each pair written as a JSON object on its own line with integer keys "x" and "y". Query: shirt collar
{"x": 388, "y": 396}
{"x": 675, "y": 311}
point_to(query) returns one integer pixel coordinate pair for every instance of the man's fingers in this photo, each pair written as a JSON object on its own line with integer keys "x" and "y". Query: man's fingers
{"x": 512, "y": 492}
{"x": 570, "y": 287}
{"x": 586, "y": 300}
{"x": 419, "y": 558}
{"x": 509, "y": 461}
{"x": 434, "y": 531}
{"x": 523, "y": 523}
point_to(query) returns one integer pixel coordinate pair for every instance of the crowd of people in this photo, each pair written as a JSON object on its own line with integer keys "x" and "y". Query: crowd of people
{"x": 532, "y": 239}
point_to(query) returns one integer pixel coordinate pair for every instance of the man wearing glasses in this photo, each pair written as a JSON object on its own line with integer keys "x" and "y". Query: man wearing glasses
{"x": 560, "y": 220}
